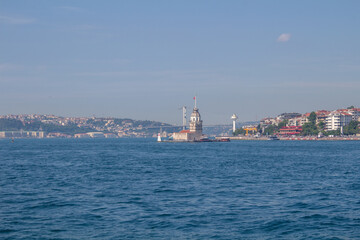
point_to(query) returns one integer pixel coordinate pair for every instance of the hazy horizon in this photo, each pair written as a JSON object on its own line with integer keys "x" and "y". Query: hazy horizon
{"x": 145, "y": 59}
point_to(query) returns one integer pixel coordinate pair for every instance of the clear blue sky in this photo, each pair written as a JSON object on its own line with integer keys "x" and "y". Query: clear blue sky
{"x": 145, "y": 59}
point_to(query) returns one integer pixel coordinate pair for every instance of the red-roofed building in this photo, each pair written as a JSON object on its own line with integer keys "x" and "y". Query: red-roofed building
{"x": 304, "y": 118}
{"x": 321, "y": 115}
{"x": 291, "y": 130}
{"x": 184, "y": 131}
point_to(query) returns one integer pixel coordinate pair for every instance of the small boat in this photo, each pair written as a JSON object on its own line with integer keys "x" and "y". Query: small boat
{"x": 224, "y": 139}
{"x": 273, "y": 138}
{"x": 204, "y": 140}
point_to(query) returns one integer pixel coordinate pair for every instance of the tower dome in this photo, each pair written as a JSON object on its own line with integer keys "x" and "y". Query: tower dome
{"x": 195, "y": 115}
{"x": 195, "y": 121}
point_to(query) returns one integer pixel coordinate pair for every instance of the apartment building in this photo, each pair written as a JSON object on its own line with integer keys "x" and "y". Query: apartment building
{"x": 337, "y": 119}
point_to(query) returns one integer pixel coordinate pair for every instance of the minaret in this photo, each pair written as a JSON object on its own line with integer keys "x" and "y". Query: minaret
{"x": 234, "y": 118}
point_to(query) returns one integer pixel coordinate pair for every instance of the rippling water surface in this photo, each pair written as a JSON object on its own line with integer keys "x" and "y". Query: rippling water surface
{"x": 140, "y": 189}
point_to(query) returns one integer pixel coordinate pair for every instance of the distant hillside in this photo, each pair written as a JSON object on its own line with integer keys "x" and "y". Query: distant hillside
{"x": 17, "y": 125}
{"x": 50, "y": 124}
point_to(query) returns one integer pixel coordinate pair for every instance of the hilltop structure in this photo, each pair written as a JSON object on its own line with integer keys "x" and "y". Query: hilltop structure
{"x": 195, "y": 131}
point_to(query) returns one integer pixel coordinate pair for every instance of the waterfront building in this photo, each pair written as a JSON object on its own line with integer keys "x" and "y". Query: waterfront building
{"x": 96, "y": 134}
{"x": 337, "y": 119}
{"x": 321, "y": 116}
{"x": 304, "y": 118}
{"x": 58, "y": 135}
{"x": 22, "y": 134}
{"x": 295, "y": 121}
{"x": 267, "y": 121}
{"x": 290, "y": 131}
{"x": 81, "y": 135}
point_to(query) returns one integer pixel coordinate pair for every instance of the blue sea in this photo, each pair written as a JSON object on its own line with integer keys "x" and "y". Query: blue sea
{"x": 141, "y": 189}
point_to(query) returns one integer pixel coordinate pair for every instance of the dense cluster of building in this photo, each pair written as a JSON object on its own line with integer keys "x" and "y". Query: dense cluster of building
{"x": 332, "y": 120}
{"x": 83, "y": 127}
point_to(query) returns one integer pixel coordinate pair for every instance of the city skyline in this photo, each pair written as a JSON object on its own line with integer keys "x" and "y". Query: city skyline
{"x": 144, "y": 60}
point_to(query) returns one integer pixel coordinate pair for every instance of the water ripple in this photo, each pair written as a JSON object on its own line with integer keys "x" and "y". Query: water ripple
{"x": 139, "y": 189}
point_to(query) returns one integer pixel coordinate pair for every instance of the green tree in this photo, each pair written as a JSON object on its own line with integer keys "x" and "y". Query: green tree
{"x": 309, "y": 129}
{"x": 332, "y": 132}
{"x": 312, "y": 118}
{"x": 239, "y": 131}
{"x": 10, "y": 125}
{"x": 321, "y": 125}
{"x": 351, "y": 107}
{"x": 259, "y": 128}
{"x": 352, "y": 128}
{"x": 270, "y": 130}
{"x": 283, "y": 123}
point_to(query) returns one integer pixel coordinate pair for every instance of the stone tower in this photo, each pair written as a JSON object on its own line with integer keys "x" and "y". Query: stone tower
{"x": 196, "y": 122}
{"x": 195, "y": 131}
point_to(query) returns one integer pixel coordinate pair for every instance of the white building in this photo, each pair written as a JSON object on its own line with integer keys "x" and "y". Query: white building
{"x": 81, "y": 135}
{"x": 96, "y": 134}
{"x": 267, "y": 121}
{"x": 22, "y": 134}
{"x": 297, "y": 121}
{"x": 336, "y": 120}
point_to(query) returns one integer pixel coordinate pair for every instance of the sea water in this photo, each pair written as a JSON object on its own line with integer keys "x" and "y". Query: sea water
{"x": 141, "y": 189}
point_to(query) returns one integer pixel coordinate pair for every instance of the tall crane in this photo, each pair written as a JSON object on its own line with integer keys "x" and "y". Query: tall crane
{"x": 250, "y": 128}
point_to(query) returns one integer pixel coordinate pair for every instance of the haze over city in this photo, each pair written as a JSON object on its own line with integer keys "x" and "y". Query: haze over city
{"x": 146, "y": 59}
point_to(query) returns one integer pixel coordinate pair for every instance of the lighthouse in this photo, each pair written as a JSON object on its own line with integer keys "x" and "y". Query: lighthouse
{"x": 234, "y": 118}
{"x": 159, "y": 137}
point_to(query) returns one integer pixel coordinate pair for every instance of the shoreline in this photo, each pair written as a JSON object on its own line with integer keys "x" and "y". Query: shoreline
{"x": 357, "y": 138}
{"x": 242, "y": 138}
